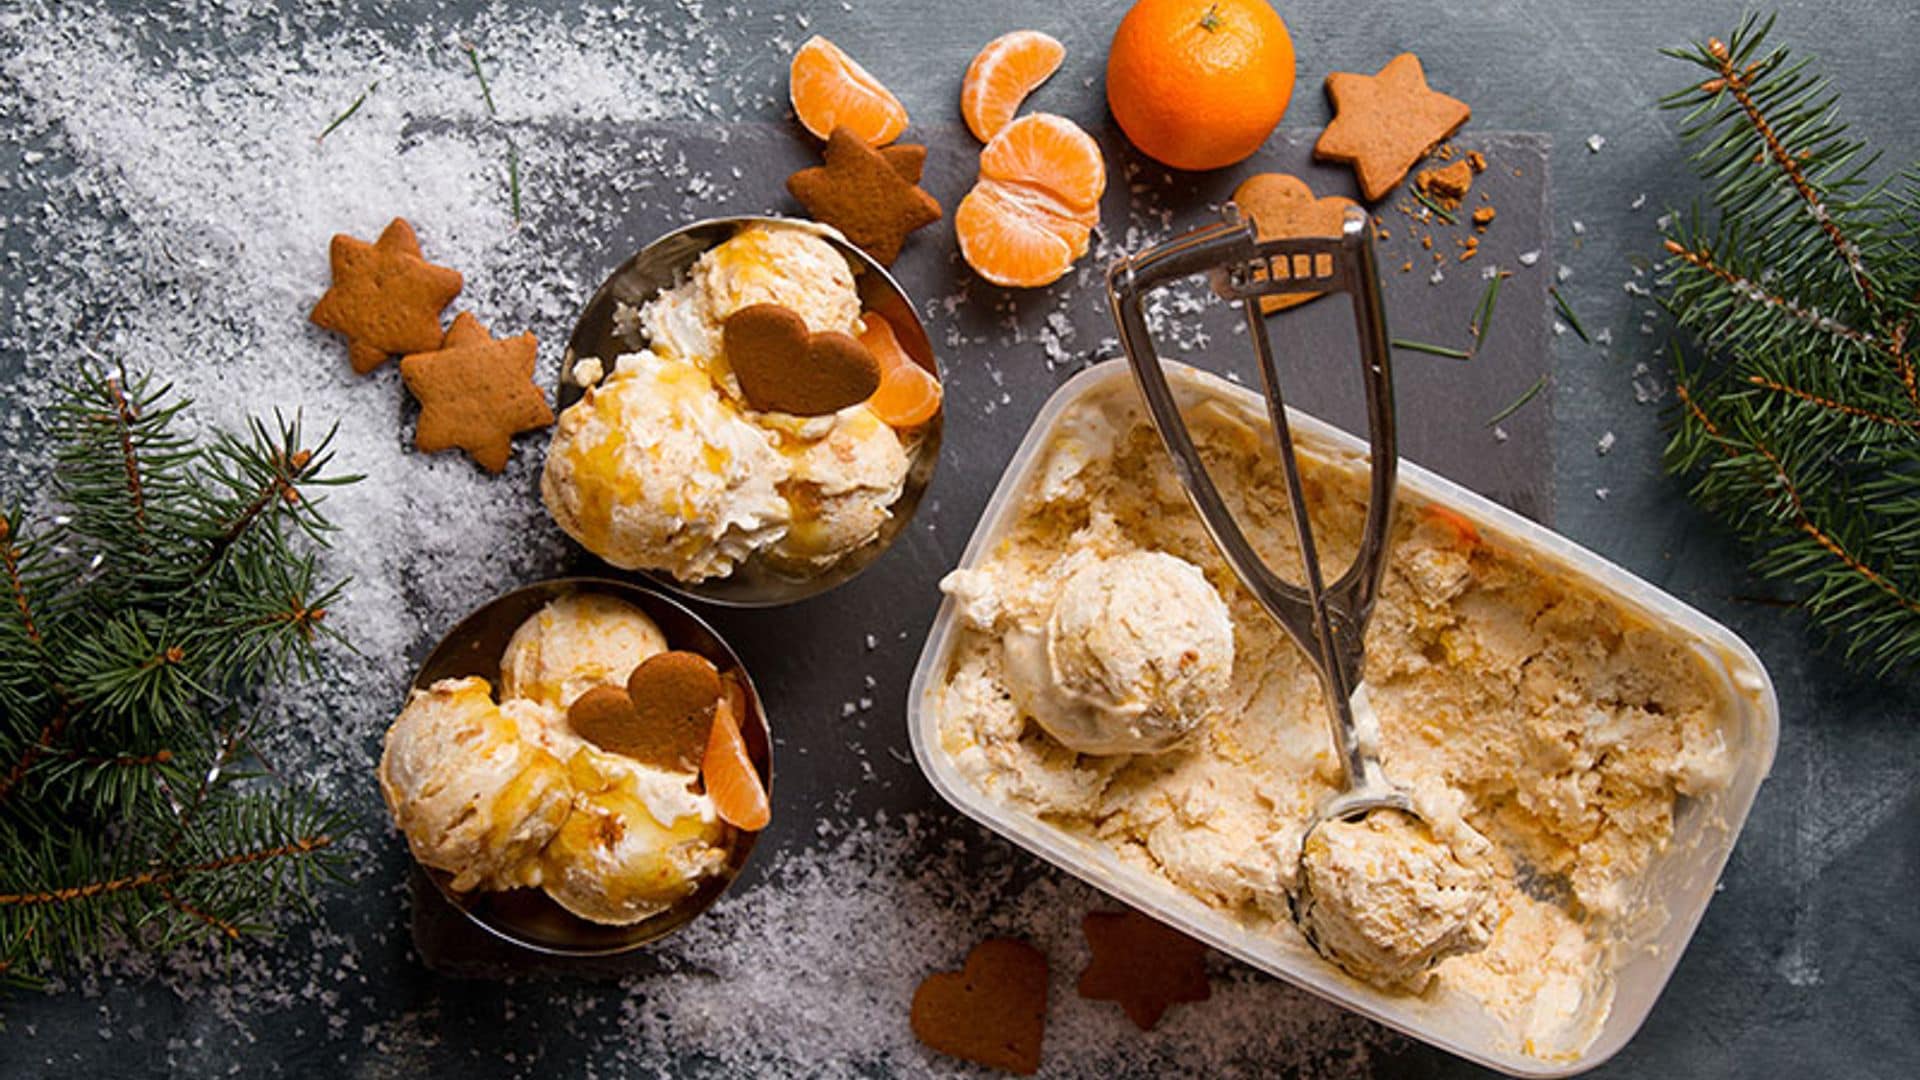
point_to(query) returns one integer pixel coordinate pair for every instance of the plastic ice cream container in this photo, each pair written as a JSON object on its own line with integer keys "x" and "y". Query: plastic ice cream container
{"x": 1679, "y": 882}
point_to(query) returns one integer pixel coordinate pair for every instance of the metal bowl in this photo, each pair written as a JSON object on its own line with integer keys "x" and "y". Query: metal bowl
{"x": 662, "y": 264}
{"x": 526, "y": 917}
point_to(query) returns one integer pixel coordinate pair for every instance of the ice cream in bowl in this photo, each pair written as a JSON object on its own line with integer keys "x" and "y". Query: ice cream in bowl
{"x": 581, "y": 767}
{"x": 750, "y": 413}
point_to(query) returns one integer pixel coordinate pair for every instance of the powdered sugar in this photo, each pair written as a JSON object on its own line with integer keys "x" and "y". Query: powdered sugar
{"x": 171, "y": 209}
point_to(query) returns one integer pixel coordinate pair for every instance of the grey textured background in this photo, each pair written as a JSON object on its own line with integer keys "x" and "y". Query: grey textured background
{"x": 1808, "y": 962}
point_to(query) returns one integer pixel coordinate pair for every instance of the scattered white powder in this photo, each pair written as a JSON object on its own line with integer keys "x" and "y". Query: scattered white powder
{"x": 811, "y": 973}
{"x": 176, "y": 214}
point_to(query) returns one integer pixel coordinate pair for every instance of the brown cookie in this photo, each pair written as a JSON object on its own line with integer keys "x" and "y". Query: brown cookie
{"x": 605, "y": 717}
{"x": 994, "y": 1011}
{"x": 1383, "y": 123}
{"x": 1448, "y": 183}
{"x": 866, "y": 194}
{"x": 907, "y": 159}
{"x": 674, "y": 695}
{"x": 1142, "y": 964}
{"x": 1283, "y": 206}
{"x": 475, "y": 393}
{"x": 385, "y": 297}
{"x": 783, "y": 368}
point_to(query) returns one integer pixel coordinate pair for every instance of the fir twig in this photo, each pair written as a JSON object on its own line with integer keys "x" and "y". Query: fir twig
{"x": 165, "y": 584}
{"x": 1800, "y": 423}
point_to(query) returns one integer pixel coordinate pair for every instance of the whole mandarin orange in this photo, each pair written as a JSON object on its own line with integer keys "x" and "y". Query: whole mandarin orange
{"x": 1199, "y": 84}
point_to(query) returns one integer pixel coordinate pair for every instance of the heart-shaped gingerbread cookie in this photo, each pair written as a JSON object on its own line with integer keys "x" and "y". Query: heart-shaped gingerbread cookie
{"x": 993, "y": 1011}
{"x": 1283, "y": 206}
{"x": 662, "y": 717}
{"x": 784, "y": 368}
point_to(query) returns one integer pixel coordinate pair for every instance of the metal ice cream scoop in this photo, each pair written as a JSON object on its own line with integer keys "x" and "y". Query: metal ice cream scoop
{"x": 1327, "y": 621}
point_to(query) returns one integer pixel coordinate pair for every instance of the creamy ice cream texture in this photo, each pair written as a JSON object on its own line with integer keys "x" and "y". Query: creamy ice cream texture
{"x": 1135, "y": 653}
{"x": 1387, "y": 899}
{"x": 575, "y": 643}
{"x": 469, "y": 785}
{"x": 662, "y": 466}
{"x": 508, "y": 795}
{"x": 1565, "y": 730}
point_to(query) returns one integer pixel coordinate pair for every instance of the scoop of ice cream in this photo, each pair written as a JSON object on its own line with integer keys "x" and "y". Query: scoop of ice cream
{"x": 761, "y": 264}
{"x": 1387, "y": 899}
{"x": 575, "y": 643}
{"x": 470, "y": 787}
{"x": 638, "y": 839}
{"x": 1136, "y": 654}
{"x": 652, "y": 470}
{"x": 843, "y": 486}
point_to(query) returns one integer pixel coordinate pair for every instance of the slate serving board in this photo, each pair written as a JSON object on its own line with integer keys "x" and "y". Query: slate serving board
{"x": 834, "y": 670}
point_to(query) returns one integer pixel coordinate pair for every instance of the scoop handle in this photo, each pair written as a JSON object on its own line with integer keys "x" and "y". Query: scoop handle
{"x": 1328, "y": 622}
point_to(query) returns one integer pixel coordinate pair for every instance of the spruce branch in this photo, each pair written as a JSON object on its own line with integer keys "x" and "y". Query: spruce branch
{"x": 161, "y": 587}
{"x": 1799, "y": 419}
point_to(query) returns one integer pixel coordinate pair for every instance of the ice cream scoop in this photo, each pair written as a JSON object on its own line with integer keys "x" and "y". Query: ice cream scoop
{"x": 1327, "y": 620}
{"x": 475, "y": 794}
{"x": 611, "y": 325}
{"x": 1136, "y": 653}
{"x": 1390, "y": 898}
{"x": 671, "y": 859}
{"x": 577, "y": 642}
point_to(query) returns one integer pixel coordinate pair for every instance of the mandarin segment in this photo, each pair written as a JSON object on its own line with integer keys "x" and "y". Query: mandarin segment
{"x": 1002, "y": 75}
{"x": 731, "y": 780}
{"x": 1054, "y": 157}
{"x": 877, "y": 334}
{"x": 829, "y": 90}
{"x": 908, "y": 396}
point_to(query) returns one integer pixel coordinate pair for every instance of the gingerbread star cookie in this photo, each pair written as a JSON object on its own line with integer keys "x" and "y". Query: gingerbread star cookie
{"x": 1142, "y": 964}
{"x": 1283, "y": 206}
{"x": 475, "y": 393}
{"x": 870, "y": 196}
{"x": 1383, "y": 123}
{"x": 386, "y": 298}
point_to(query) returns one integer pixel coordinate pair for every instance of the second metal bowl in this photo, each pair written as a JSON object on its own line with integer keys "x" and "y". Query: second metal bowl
{"x": 664, "y": 263}
{"x": 526, "y": 917}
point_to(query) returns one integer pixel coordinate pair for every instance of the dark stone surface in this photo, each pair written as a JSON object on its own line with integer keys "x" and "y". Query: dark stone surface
{"x": 1808, "y": 962}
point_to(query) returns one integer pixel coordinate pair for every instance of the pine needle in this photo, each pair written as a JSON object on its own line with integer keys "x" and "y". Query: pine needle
{"x": 1439, "y": 211}
{"x": 351, "y": 109}
{"x": 1566, "y": 314}
{"x": 1520, "y": 402}
{"x": 513, "y": 178}
{"x": 1483, "y": 312}
{"x": 486, "y": 92}
{"x": 1431, "y": 350}
{"x": 513, "y": 151}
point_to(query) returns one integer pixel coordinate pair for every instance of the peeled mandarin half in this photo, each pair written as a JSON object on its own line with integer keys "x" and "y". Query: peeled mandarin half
{"x": 732, "y": 782}
{"x": 1031, "y": 214}
{"x": 1002, "y": 75}
{"x": 829, "y": 91}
